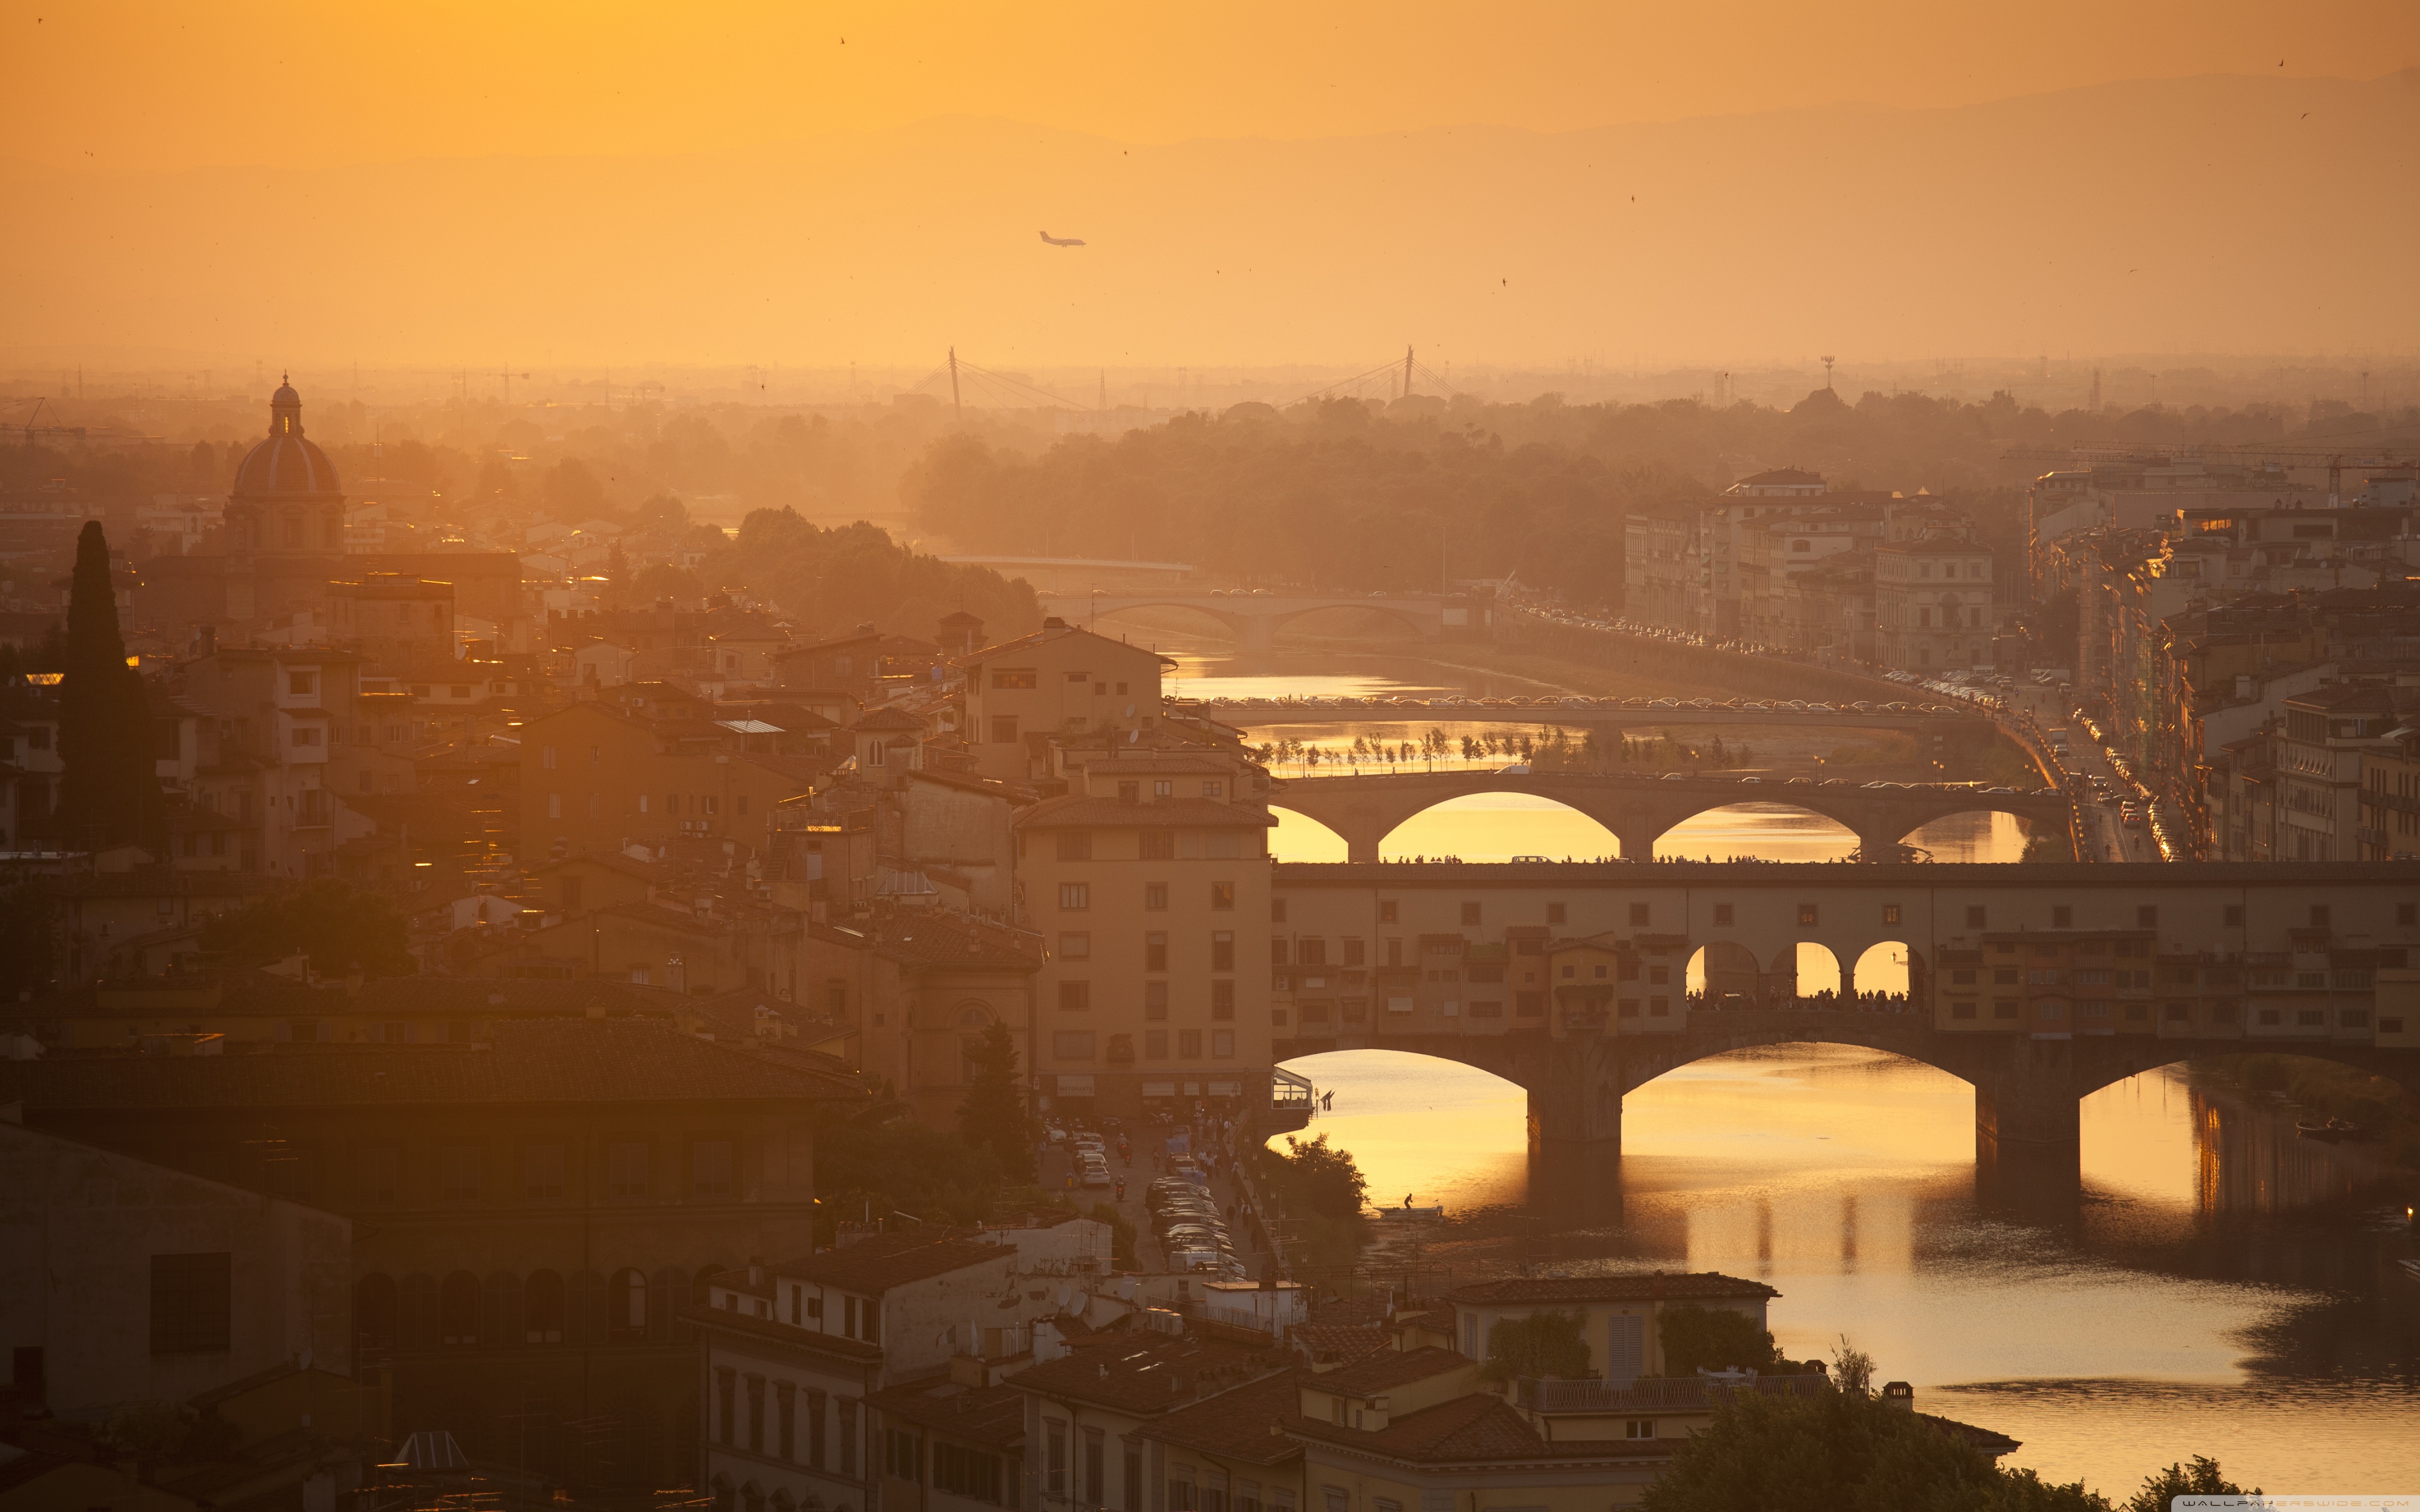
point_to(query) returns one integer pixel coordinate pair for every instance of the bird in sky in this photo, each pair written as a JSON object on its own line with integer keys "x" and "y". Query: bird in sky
{"x": 1063, "y": 241}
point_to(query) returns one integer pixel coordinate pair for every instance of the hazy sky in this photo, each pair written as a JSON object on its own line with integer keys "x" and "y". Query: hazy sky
{"x": 149, "y": 85}
{"x": 507, "y": 185}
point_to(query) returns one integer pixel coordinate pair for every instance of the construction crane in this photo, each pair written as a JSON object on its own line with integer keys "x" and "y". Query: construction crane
{"x": 2284, "y": 457}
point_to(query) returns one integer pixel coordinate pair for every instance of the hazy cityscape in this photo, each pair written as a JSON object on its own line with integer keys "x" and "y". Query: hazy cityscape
{"x": 1131, "y": 764}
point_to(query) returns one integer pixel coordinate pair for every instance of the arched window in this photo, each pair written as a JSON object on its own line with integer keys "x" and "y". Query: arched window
{"x": 752, "y": 1497}
{"x": 625, "y": 1304}
{"x": 374, "y": 1311}
{"x": 542, "y": 1307}
{"x": 975, "y": 1016}
{"x": 458, "y": 1309}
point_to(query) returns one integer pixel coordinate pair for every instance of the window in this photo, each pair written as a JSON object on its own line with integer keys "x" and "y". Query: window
{"x": 1722, "y": 914}
{"x": 1157, "y": 845}
{"x": 1806, "y": 915}
{"x": 1189, "y": 1044}
{"x": 457, "y": 1173}
{"x": 727, "y": 1405}
{"x": 302, "y": 684}
{"x": 1386, "y": 911}
{"x": 375, "y": 1170}
{"x": 1210, "y": 789}
{"x": 1072, "y": 1044}
{"x": 626, "y": 1169}
{"x": 1222, "y": 999}
{"x": 1311, "y": 951}
{"x": 1155, "y": 897}
{"x": 545, "y": 757}
{"x": 1074, "y": 897}
{"x": 1075, "y": 845}
{"x": 1222, "y": 896}
{"x": 1222, "y": 950}
{"x": 1222, "y": 1043}
{"x": 1155, "y": 1001}
{"x": 1014, "y": 677}
{"x": 710, "y": 1165}
{"x": 1639, "y": 912}
{"x": 1075, "y": 996}
{"x": 542, "y": 1173}
{"x": 1155, "y": 951}
{"x": 1075, "y": 945}
{"x": 1003, "y": 730}
{"x": 193, "y": 1302}
{"x": 1356, "y": 951}
{"x": 554, "y": 805}
{"x": 1891, "y": 913}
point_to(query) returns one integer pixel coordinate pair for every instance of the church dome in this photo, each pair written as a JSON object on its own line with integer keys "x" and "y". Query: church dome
{"x": 285, "y": 466}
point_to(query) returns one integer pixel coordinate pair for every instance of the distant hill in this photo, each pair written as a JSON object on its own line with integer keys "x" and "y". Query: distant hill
{"x": 2215, "y": 213}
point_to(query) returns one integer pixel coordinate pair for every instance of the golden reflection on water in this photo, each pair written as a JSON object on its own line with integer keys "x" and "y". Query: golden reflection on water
{"x": 1844, "y": 1178}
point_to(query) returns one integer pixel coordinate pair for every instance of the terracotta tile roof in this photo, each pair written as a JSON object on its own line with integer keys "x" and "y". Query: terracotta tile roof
{"x": 1191, "y": 813}
{"x": 533, "y": 1061}
{"x": 1337, "y": 1343}
{"x": 991, "y": 1416}
{"x": 1234, "y": 1425}
{"x": 1478, "y": 1428}
{"x": 1633, "y": 1287}
{"x": 1148, "y": 1375}
{"x": 1385, "y": 1371}
{"x": 873, "y": 1266}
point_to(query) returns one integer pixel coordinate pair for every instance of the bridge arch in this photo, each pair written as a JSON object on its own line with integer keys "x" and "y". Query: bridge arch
{"x": 1516, "y": 823}
{"x": 1231, "y": 625}
{"x": 1890, "y": 966}
{"x": 1300, "y": 838}
{"x": 1804, "y": 969}
{"x": 1713, "y": 834}
{"x": 1945, "y": 845}
{"x": 1420, "y": 628}
{"x": 1722, "y": 968}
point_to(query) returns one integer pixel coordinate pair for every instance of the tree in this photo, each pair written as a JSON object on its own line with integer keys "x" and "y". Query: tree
{"x": 1326, "y": 1180}
{"x": 2198, "y": 1476}
{"x": 1547, "y": 1346}
{"x": 26, "y": 911}
{"x": 340, "y": 929}
{"x": 1843, "y": 1452}
{"x": 1713, "y": 1339}
{"x": 1852, "y": 1368}
{"x": 994, "y": 1116}
{"x": 1122, "y": 1231}
{"x": 109, "y": 789}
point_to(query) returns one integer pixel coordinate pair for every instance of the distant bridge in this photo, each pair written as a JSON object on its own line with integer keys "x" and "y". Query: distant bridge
{"x": 1253, "y": 618}
{"x": 1606, "y": 713}
{"x": 1364, "y": 810}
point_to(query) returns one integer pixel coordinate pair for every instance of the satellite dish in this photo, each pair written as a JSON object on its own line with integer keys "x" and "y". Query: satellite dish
{"x": 1130, "y": 711}
{"x": 1133, "y": 736}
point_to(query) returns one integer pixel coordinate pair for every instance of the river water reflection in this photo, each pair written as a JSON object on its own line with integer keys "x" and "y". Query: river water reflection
{"x": 2217, "y": 1287}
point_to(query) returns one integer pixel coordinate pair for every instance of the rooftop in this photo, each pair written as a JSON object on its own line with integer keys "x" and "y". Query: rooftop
{"x": 1149, "y": 1374}
{"x": 1077, "y": 810}
{"x": 873, "y": 1266}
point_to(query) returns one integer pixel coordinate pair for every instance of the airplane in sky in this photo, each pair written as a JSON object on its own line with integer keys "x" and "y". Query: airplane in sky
{"x": 1062, "y": 241}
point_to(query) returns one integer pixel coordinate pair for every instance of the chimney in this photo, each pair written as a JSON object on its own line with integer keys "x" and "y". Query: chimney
{"x": 1900, "y": 1394}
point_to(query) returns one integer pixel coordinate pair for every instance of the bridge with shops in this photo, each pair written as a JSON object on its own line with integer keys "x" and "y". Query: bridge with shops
{"x": 2038, "y": 985}
{"x": 1607, "y": 714}
{"x": 1364, "y": 809}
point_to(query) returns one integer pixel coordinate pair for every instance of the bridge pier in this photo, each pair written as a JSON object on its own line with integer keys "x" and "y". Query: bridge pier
{"x": 2028, "y": 1122}
{"x": 1576, "y": 1104}
{"x": 1254, "y": 632}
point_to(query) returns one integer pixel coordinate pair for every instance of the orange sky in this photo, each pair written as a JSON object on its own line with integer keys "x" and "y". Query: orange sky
{"x": 498, "y": 185}
{"x": 140, "y": 85}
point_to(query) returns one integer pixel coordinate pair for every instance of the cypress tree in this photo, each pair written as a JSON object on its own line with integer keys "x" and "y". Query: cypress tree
{"x": 109, "y": 790}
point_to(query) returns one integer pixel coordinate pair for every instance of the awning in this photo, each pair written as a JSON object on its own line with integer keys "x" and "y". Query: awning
{"x": 1159, "y": 1088}
{"x": 1073, "y": 1085}
{"x": 1226, "y": 1088}
{"x": 1399, "y": 1005}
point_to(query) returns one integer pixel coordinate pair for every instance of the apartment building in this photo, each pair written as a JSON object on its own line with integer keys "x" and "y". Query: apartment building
{"x": 1934, "y": 601}
{"x": 1149, "y": 886}
{"x": 595, "y": 778}
{"x": 1057, "y": 681}
{"x": 795, "y": 1356}
{"x": 283, "y": 739}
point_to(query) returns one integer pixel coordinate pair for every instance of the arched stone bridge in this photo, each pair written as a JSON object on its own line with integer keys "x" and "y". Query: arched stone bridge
{"x": 2027, "y": 1091}
{"x": 1364, "y": 810}
{"x": 1253, "y": 618}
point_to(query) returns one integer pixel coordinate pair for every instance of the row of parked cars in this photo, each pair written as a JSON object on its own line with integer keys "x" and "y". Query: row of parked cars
{"x": 1186, "y": 1219}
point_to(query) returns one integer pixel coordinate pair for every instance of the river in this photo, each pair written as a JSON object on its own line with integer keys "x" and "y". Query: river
{"x": 2218, "y": 1286}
